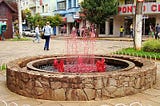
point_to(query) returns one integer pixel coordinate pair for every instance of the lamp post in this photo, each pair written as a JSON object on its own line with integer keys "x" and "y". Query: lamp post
{"x": 138, "y": 25}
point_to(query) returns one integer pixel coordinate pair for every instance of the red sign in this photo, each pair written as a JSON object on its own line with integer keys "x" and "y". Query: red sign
{"x": 40, "y": 2}
{"x": 64, "y": 19}
{"x": 147, "y": 8}
{"x": 140, "y": 0}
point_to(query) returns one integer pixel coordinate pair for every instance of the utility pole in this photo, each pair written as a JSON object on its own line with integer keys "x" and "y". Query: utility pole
{"x": 19, "y": 18}
{"x": 138, "y": 25}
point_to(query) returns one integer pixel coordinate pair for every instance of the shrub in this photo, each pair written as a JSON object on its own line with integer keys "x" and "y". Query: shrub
{"x": 3, "y": 67}
{"x": 152, "y": 46}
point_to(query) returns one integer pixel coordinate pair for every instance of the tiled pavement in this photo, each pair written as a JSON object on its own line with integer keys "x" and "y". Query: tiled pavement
{"x": 10, "y": 50}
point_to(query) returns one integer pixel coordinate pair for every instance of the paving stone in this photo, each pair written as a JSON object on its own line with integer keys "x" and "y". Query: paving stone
{"x": 13, "y": 50}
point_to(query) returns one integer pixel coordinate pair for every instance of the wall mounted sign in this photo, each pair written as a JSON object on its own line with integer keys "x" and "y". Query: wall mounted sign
{"x": 148, "y": 8}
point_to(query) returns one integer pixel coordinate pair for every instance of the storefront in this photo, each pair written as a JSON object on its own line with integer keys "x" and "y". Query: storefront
{"x": 126, "y": 17}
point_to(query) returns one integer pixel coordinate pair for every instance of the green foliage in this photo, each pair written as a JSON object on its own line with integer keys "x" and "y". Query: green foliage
{"x": 54, "y": 20}
{"x": 19, "y": 39}
{"x": 140, "y": 53}
{"x": 26, "y": 13}
{"x": 97, "y": 11}
{"x": 152, "y": 46}
{"x": 38, "y": 20}
{"x": 3, "y": 67}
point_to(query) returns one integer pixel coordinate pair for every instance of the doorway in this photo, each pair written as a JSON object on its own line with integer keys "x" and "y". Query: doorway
{"x": 111, "y": 26}
{"x": 127, "y": 23}
{"x": 146, "y": 23}
{"x": 102, "y": 28}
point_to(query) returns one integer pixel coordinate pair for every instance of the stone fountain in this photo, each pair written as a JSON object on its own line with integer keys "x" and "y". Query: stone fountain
{"x": 80, "y": 75}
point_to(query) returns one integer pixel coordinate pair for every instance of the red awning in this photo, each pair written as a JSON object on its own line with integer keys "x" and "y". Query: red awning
{"x": 82, "y": 15}
{"x": 40, "y": 2}
{"x": 64, "y": 19}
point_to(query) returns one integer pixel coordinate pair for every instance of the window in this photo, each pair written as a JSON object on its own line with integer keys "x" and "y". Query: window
{"x": 46, "y": 8}
{"x": 129, "y": 1}
{"x": 43, "y": 9}
{"x": 74, "y": 3}
{"x": 3, "y": 12}
{"x": 27, "y": 3}
{"x": 62, "y": 5}
{"x": 69, "y": 3}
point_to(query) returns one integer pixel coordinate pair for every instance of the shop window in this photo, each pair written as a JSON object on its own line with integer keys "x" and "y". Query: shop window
{"x": 62, "y": 5}
{"x": 129, "y": 1}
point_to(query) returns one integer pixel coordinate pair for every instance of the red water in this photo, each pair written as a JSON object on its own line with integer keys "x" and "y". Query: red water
{"x": 80, "y": 55}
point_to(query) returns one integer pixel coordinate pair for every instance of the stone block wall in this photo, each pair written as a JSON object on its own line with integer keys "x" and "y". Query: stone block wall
{"x": 78, "y": 87}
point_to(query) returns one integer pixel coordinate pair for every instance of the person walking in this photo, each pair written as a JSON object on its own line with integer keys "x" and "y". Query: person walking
{"x": 157, "y": 35}
{"x": 131, "y": 31}
{"x": 37, "y": 34}
{"x": 151, "y": 32}
{"x": 47, "y": 33}
{"x": 121, "y": 31}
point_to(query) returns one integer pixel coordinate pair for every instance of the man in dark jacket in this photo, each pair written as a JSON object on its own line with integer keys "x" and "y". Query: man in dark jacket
{"x": 157, "y": 31}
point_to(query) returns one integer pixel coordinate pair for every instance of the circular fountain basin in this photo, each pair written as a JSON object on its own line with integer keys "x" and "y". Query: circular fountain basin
{"x": 112, "y": 64}
{"x": 25, "y": 78}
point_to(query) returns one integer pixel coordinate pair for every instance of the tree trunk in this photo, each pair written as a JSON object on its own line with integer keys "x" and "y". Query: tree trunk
{"x": 20, "y": 18}
{"x": 97, "y": 30}
{"x": 138, "y": 26}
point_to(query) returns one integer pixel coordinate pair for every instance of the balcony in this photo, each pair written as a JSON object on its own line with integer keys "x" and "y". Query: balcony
{"x": 62, "y": 12}
{"x": 73, "y": 10}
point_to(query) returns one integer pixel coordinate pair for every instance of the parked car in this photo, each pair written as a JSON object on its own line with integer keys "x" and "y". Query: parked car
{"x": 28, "y": 33}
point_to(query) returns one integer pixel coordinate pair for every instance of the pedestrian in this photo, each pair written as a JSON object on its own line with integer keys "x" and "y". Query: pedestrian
{"x": 121, "y": 31}
{"x": 82, "y": 30}
{"x": 151, "y": 32}
{"x": 74, "y": 32}
{"x": 78, "y": 32}
{"x": 37, "y": 38}
{"x": 131, "y": 31}
{"x": 47, "y": 33}
{"x": 157, "y": 35}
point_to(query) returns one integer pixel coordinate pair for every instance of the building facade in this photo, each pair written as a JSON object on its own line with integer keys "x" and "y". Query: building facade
{"x": 126, "y": 16}
{"x": 8, "y": 13}
{"x": 69, "y": 10}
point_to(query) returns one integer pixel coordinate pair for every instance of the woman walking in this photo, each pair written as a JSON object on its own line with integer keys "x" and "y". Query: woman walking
{"x": 47, "y": 33}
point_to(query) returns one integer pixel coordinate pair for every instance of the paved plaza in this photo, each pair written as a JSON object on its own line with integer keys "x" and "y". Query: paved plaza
{"x": 11, "y": 50}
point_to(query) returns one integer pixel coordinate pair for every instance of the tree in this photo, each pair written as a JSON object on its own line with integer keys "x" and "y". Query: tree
{"x": 38, "y": 20}
{"x": 19, "y": 18}
{"x": 97, "y": 11}
{"x": 54, "y": 20}
{"x": 138, "y": 26}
